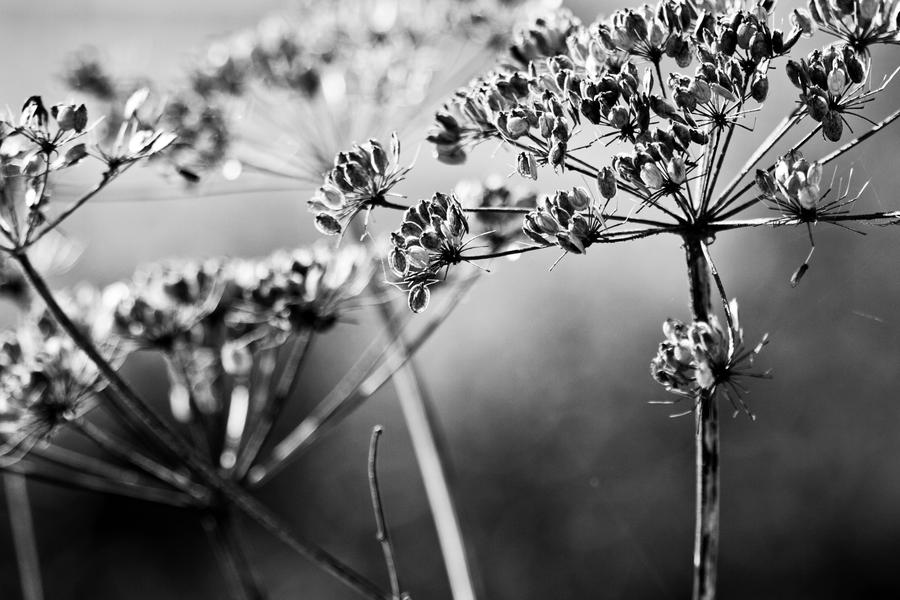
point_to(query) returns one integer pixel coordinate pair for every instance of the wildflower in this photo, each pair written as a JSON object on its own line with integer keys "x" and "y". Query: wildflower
{"x": 430, "y": 240}
{"x": 703, "y": 356}
{"x": 359, "y": 180}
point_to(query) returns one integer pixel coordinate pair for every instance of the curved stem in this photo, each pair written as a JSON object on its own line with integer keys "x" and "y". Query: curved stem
{"x": 706, "y": 443}
{"x": 382, "y": 534}
{"x": 132, "y": 404}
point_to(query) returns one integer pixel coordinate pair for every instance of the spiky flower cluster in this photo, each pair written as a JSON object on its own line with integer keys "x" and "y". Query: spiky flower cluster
{"x": 704, "y": 356}
{"x": 430, "y": 239}
{"x": 360, "y": 180}
{"x": 830, "y": 83}
{"x": 651, "y": 33}
{"x": 567, "y": 220}
{"x": 795, "y": 186}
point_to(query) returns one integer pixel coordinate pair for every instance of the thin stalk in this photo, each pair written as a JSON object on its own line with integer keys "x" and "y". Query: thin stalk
{"x": 228, "y": 548}
{"x": 79, "y": 480}
{"x": 381, "y": 531}
{"x": 706, "y": 443}
{"x": 133, "y": 404}
{"x": 123, "y": 451}
{"x": 361, "y": 382}
{"x": 22, "y": 526}
{"x": 431, "y": 456}
{"x": 284, "y": 389}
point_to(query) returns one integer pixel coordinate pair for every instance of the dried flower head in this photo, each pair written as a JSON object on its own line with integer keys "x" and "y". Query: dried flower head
{"x": 430, "y": 240}
{"x": 704, "y": 356}
{"x": 360, "y": 180}
{"x": 860, "y": 23}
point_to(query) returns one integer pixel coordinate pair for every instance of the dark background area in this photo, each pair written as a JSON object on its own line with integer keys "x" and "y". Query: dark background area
{"x": 569, "y": 483}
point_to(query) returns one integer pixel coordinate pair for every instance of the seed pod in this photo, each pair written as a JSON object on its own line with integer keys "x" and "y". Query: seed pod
{"x": 410, "y": 230}
{"x": 619, "y": 117}
{"x": 569, "y": 243}
{"x": 397, "y": 262}
{"x": 606, "y": 182}
{"x": 652, "y": 176}
{"x": 676, "y": 170}
{"x": 833, "y": 126}
{"x": 837, "y": 81}
{"x": 766, "y": 183}
{"x": 728, "y": 42}
{"x": 817, "y": 107}
{"x": 430, "y": 241}
{"x": 798, "y": 274}
{"x": 526, "y": 165}
{"x": 558, "y": 154}
{"x": 579, "y": 198}
{"x": 516, "y": 127}
{"x": 327, "y": 224}
{"x": 760, "y": 88}
{"x": 856, "y": 69}
{"x": 379, "y": 157}
{"x": 802, "y": 21}
{"x": 796, "y": 73}
{"x": 419, "y": 296}
{"x": 700, "y": 90}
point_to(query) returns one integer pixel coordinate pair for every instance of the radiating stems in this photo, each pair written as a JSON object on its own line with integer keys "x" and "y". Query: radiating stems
{"x": 22, "y": 526}
{"x": 706, "y": 437}
{"x": 133, "y": 405}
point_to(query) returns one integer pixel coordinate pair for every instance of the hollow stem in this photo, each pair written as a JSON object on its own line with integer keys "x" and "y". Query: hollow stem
{"x": 706, "y": 443}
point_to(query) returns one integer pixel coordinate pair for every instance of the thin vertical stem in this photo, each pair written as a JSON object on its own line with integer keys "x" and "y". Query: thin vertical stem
{"x": 706, "y": 438}
{"x": 22, "y": 526}
{"x": 381, "y": 531}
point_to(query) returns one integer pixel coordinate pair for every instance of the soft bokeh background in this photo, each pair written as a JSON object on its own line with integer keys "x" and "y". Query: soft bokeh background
{"x": 570, "y": 484}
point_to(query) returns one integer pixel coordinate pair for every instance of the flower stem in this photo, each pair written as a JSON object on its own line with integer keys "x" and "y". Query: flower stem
{"x": 706, "y": 437}
{"x": 153, "y": 424}
{"x": 22, "y": 527}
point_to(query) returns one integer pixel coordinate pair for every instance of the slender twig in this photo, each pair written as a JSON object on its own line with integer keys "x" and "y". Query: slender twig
{"x": 706, "y": 441}
{"x": 22, "y": 526}
{"x": 382, "y": 534}
{"x": 156, "y": 427}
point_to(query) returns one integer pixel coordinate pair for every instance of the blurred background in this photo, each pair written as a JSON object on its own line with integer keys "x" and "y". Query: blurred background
{"x": 570, "y": 484}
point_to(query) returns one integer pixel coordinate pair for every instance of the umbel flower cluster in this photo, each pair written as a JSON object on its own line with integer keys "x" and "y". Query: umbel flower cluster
{"x": 214, "y": 321}
{"x": 673, "y": 91}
